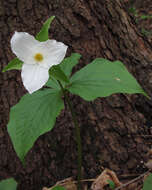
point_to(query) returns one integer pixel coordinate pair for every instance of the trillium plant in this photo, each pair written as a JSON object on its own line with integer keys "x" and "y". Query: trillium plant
{"x": 43, "y": 64}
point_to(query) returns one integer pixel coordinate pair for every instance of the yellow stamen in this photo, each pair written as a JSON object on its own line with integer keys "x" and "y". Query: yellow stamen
{"x": 38, "y": 57}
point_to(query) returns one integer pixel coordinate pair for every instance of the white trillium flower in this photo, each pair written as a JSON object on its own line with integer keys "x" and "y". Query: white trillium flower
{"x": 37, "y": 58}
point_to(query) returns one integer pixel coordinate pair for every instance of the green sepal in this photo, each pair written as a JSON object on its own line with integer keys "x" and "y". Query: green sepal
{"x": 13, "y": 64}
{"x": 43, "y": 35}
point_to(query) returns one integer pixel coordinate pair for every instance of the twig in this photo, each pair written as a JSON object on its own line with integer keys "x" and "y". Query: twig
{"x": 132, "y": 181}
{"x": 128, "y": 176}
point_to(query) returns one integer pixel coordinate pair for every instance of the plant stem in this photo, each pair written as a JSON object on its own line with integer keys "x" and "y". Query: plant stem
{"x": 78, "y": 137}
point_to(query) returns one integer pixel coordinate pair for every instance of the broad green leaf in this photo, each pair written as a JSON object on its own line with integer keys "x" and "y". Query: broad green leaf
{"x": 13, "y": 64}
{"x": 43, "y": 35}
{"x": 66, "y": 66}
{"x": 59, "y": 188}
{"x": 148, "y": 183}
{"x": 102, "y": 78}
{"x": 69, "y": 62}
{"x": 34, "y": 115}
{"x": 8, "y": 184}
{"x": 58, "y": 74}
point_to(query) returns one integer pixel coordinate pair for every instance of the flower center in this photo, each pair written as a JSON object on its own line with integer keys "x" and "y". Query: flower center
{"x": 38, "y": 57}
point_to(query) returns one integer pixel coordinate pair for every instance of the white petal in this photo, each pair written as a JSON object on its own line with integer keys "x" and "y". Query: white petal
{"x": 53, "y": 51}
{"x": 23, "y": 45}
{"x": 34, "y": 77}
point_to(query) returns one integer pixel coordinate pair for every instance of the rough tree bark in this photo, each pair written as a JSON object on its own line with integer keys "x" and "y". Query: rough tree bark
{"x": 112, "y": 127}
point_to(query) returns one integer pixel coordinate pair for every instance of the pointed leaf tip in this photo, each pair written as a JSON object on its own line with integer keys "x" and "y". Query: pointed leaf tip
{"x": 43, "y": 35}
{"x": 103, "y": 78}
{"x": 13, "y": 64}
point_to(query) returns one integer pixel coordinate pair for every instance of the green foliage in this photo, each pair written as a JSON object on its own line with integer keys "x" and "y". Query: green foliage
{"x": 13, "y": 64}
{"x": 43, "y": 35}
{"x": 58, "y": 74}
{"x": 111, "y": 184}
{"x": 53, "y": 83}
{"x": 66, "y": 66}
{"x": 33, "y": 116}
{"x": 58, "y": 188}
{"x": 102, "y": 78}
{"x": 8, "y": 184}
{"x": 148, "y": 183}
{"x": 146, "y": 32}
{"x": 145, "y": 17}
{"x": 133, "y": 11}
{"x": 69, "y": 62}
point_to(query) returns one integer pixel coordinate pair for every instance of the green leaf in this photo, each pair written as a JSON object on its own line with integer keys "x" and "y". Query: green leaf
{"x": 146, "y": 32}
{"x": 58, "y": 74}
{"x": 58, "y": 188}
{"x": 111, "y": 184}
{"x": 148, "y": 183}
{"x": 53, "y": 83}
{"x": 8, "y": 184}
{"x": 69, "y": 62}
{"x": 34, "y": 115}
{"x": 145, "y": 17}
{"x": 66, "y": 66}
{"x": 102, "y": 78}
{"x": 43, "y": 35}
{"x": 13, "y": 64}
{"x": 133, "y": 11}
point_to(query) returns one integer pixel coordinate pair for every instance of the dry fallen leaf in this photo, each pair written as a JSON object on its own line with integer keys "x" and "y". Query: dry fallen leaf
{"x": 148, "y": 164}
{"x": 68, "y": 183}
{"x": 102, "y": 180}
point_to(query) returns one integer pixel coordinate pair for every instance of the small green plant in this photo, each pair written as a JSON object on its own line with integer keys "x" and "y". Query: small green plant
{"x": 146, "y": 32}
{"x": 143, "y": 17}
{"x": 111, "y": 184}
{"x": 42, "y": 63}
{"x": 133, "y": 11}
{"x": 148, "y": 183}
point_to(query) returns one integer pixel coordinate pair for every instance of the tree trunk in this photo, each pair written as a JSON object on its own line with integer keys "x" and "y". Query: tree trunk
{"x": 112, "y": 128}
